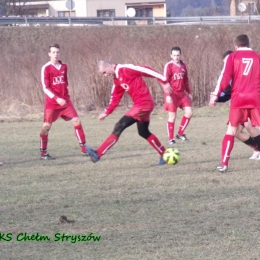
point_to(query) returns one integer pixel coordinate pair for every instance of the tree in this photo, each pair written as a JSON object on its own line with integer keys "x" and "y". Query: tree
{"x": 12, "y": 7}
{"x": 198, "y": 7}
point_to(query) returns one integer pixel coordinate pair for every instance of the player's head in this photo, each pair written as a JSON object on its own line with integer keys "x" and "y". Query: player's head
{"x": 176, "y": 54}
{"x": 54, "y": 52}
{"x": 241, "y": 40}
{"x": 225, "y": 54}
{"x": 106, "y": 68}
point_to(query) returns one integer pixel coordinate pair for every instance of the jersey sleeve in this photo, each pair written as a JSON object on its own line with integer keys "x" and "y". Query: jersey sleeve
{"x": 224, "y": 79}
{"x": 146, "y": 71}
{"x": 66, "y": 75}
{"x": 225, "y": 76}
{"x": 167, "y": 72}
{"x": 46, "y": 84}
{"x": 186, "y": 81}
{"x": 116, "y": 95}
{"x": 225, "y": 95}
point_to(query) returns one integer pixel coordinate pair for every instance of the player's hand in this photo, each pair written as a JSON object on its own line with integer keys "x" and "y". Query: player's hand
{"x": 212, "y": 101}
{"x": 102, "y": 116}
{"x": 167, "y": 89}
{"x": 169, "y": 100}
{"x": 190, "y": 97}
{"x": 61, "y": 101}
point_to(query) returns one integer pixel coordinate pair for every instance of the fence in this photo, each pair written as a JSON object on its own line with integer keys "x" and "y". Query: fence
{"x": 26, "y": 21}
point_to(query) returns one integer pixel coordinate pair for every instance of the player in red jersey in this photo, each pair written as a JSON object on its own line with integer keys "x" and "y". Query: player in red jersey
{"x": 57, "y": 101}
{"x": 176, "y": 74}
{"x": 243, "y": 68}
{"x": 240, "y": 135}
{"x": 128, "y": 78}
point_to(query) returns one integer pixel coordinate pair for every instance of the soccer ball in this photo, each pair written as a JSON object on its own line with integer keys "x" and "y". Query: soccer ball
{"x": 171, "y": 156}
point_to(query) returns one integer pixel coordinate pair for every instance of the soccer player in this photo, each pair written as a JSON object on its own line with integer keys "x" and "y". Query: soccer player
{"x": 240, "y": 135}
{"x": 57, "y": 101}
{"x": 243, "y": 68}
{"x": 128, "y": 79}
{"x": 176, "y": 74}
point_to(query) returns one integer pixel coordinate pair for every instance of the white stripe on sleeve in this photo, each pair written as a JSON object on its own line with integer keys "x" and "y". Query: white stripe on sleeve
{"x": 46, "y": 91}
{"x": 141, "y": 69}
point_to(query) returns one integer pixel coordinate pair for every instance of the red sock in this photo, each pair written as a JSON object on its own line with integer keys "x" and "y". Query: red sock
{"x": 227, "y": 146}
{"x": 156, "y": 144}
{"x": 79, "y": 132}
{"x": 184, "y": 123}
{"x": 43, "y": 143}
{"x": 106, "y": 145}
{"x": 170, "y": 130}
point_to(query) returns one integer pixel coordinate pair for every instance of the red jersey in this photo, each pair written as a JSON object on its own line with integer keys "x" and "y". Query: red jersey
{"x": 55, "y": 84}
{"x": 177, "y": 76}
{"x": 128, "y": 78}
{"x": 243, "y": 68}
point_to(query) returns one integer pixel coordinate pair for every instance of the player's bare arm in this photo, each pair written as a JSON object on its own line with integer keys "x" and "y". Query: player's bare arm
{"x": 169, "y": 100}
{"x": 61, "y": 101}
{"x": 167, "y": 89}
{"x": 212, "y": 101}
{"x": 102, "y": 116}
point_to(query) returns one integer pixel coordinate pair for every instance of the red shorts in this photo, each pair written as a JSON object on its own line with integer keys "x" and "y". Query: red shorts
{"x": 67, "y": 113}
{"x": 141, "y": 114}
{"x": 238, "y": 116}
{"x": 180, "y": 100}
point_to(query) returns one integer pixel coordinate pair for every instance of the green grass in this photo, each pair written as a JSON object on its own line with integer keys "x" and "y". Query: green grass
{"x": 186, "y": 211}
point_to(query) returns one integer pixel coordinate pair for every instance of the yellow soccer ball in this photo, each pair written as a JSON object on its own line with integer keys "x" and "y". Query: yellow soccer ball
{"x": 171, "y": 156}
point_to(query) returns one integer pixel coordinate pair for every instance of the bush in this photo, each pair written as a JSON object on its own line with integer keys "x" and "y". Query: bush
{"x": 25, "y": 50}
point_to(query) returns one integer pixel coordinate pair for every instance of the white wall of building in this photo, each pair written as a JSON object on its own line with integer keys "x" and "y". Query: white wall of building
{"x": 60, "y": 6}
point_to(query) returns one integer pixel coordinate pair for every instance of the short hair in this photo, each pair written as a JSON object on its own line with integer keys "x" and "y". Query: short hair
{"x": 241, "y": 40}
{"x": 225, "y": 54}
{"x": 176, "y": 48}
{"x": 54, "y": 45}
{"x": 104, "y": 63}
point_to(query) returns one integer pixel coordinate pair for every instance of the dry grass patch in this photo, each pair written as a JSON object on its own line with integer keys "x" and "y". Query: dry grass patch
{"x": 186, "y": 211}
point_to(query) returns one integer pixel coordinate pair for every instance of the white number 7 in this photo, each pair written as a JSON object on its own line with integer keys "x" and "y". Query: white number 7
{"x": 249, "y": 63}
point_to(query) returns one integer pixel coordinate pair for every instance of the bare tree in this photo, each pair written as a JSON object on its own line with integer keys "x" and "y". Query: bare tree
{"x": 12, "y": 7}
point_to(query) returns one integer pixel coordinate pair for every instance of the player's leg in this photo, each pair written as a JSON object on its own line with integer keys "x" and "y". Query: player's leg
{"x": 143, "y": 131}
{"x": 50, "y": 116}
{"x": 254, "y": 120}
{"x": 44, "y": 141}
{"x": 70, "y": 113}
{"x": 255, "y": 135}
{"x": 111, "y": 140}
{"x": 248, "y": 140}
{"x": 171, "y": 108}
{"x": 79, "y": 132}
{"x": 184, "y": 123}
{"x": 170, "y": 127}
{"x": 227, "y": 146}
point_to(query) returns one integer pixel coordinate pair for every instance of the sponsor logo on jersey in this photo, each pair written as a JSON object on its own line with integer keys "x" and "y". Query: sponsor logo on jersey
{"x": 58, "y": 80}
{"x": 178, "y": 75}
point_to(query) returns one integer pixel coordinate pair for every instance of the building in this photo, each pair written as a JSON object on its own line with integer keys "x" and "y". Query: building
{"x": 244, "y": 7}
{"x": 95, "y": 8}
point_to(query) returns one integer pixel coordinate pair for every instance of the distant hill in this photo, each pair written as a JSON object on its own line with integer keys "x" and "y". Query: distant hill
{"x": 197, "y": 7}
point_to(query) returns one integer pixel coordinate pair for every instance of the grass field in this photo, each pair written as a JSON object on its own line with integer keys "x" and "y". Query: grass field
{"x": 188, "y": 211}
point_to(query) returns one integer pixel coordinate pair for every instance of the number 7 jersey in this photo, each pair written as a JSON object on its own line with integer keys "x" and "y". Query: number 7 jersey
{"x": 243, "y": 68}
